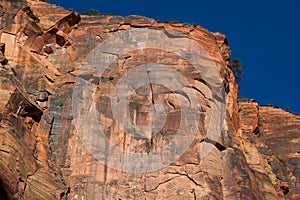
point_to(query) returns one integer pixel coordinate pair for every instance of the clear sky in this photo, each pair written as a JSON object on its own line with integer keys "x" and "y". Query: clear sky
{"x": 264, "y": 35}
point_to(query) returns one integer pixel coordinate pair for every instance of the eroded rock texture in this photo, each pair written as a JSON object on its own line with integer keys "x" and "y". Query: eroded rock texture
{"x": 271, "y": 146}
{"x": 43, "y": 148}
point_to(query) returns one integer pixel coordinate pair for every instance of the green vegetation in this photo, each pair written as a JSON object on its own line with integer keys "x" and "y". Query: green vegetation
{"x": 91, "y": 12}
{"x": 174, "y": 21}
{"x": 168, "y": 21}
{"x": 237, "y": 65}
{"x": 287, "y": 109}
{"x": 226, "y": 49}
{"x": 243, "y": 99}
{"x": 237, "y": 68}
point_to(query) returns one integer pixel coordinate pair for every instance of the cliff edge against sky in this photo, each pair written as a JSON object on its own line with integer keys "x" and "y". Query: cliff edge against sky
{"x": 111, "y": 107}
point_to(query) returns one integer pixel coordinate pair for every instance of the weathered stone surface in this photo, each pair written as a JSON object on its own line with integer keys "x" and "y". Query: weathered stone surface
{"x": 280, "y": 132}
{"x": 271, "y": 145}
{"x": 249, "y": 116}
{"x": 44, "y": 155}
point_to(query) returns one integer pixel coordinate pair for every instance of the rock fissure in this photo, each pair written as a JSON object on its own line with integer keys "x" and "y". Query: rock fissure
{"x": 160, "y": 184}
{"x": 255, "y": 157}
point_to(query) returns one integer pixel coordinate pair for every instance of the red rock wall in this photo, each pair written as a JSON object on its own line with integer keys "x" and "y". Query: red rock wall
{"x": 272, "y": 136}
{"x": 48, "y": 145}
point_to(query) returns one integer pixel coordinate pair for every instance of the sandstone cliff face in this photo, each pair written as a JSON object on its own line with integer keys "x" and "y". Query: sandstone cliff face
{"x": 274, "y": 137}
{"x": 62, "y": 72}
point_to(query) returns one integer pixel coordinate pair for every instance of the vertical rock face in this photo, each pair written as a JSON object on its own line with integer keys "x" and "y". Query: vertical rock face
{"x": 278, "y": 125}
{"x": 111, "y": 107}
{"x": 270, "y": 139}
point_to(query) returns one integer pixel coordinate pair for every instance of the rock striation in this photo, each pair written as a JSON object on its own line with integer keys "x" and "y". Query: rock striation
{"x": 56, "y": 93}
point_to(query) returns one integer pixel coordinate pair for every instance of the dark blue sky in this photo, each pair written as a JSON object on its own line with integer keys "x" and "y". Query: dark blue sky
{"x": 264, "y": 35}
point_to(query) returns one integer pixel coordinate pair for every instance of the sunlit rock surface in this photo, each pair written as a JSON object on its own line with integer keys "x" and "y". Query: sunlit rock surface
{"x": 64, "y": 78}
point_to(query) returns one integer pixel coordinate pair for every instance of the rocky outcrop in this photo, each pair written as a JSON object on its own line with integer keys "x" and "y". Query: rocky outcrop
{"x": 271, "y": 143}
{"x": 86, "y": 103}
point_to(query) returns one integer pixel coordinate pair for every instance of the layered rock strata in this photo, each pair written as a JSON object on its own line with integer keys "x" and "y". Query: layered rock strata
{"x": 56, "y": 92}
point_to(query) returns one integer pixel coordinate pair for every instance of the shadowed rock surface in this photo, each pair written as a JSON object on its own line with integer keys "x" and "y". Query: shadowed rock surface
{"x": 44, "y": 155}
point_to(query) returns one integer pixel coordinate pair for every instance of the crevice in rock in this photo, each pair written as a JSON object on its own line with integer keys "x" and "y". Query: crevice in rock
{"x": 34, "y": 148}
{"x": 3, "y": 59}
{"x": 50, "y": 139}
{"x": 202, "y": 81}
{"x": 285, "y": 189}
{"x": 182, "y": 94}
{"x": 159, "y": 184}
{"x": 256, "y": 131}
{"x": 30, "y": 14}
{"x": 32, "y": 112}
{"x": 205, "y": 83}
{"x": 194, "y": 193}
{"x": 60, "y": 40}
{"x": 186, "y": 175}
{"x": 68, "y": 191}
{"x": 124, "y": 61}
{"x": 25, "y": 107}
{"x": 2, "y": 150}
{"x": 138, "y": 26}
{"x": 111, "y": 53}
{"x": 191, "y": 179}
{"x": 193, "y": 87}
{"x": 153, "y": 103}
{"x": 71, "y": 20}
{"x": 4, "y": 193}
{"x": 151, "y": 89}
{"x": 64, "y": 195}
{"x": 24, "y": 186}
{"x": 219, "y": 146}
{"x": 171, "y": 104}
{"x": 49, "y": 79}
{"x": 9, "y": 33}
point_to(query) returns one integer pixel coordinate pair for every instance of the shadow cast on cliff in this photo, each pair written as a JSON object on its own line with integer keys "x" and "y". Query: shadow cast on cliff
{"x": 3, "y": 191}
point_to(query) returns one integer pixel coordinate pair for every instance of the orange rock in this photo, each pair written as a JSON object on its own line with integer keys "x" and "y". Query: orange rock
{"x": 49, "y": 142}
